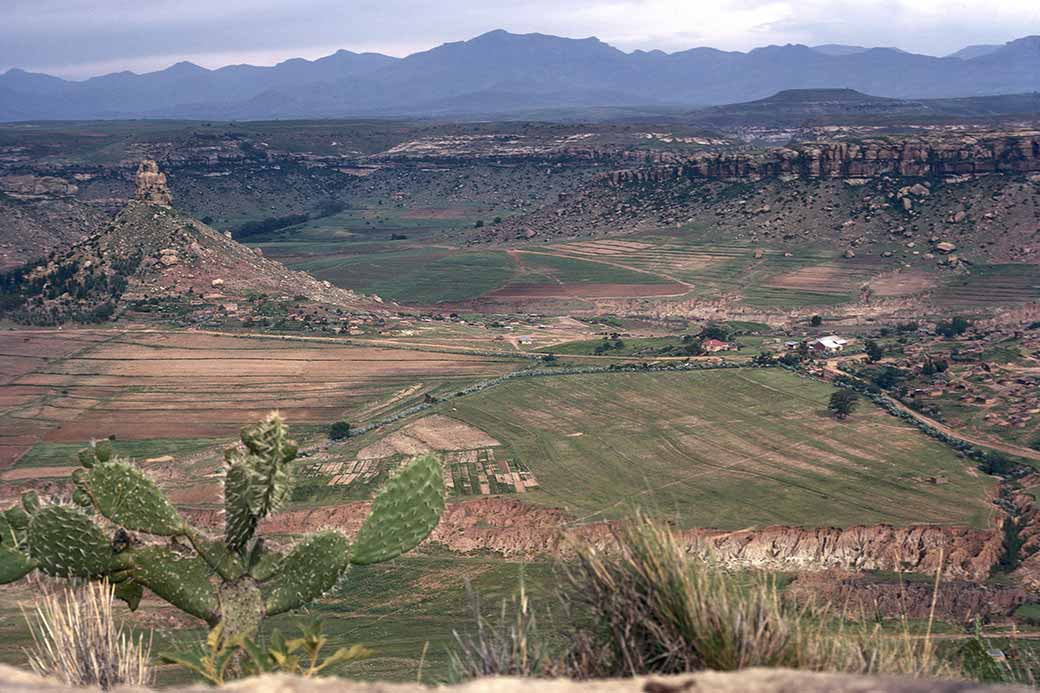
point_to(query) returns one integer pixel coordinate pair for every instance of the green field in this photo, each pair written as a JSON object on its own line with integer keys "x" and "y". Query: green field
{"x": 415, "y": 275}
{"x": 727, "y": 449}
{"x": 62, "y": 454}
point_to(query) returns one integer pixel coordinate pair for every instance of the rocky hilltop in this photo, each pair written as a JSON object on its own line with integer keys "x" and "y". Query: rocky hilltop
{"x": 153, "y": 259}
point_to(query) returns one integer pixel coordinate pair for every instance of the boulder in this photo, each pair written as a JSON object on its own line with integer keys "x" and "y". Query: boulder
{"x": 945, "y": 247}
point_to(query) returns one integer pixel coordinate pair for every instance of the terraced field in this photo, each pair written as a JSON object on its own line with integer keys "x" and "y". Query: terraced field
{"x": 991, "y": 286}
{"x": 66, "y": 386}
{"x": 728, "y": 449}
{"x": 762, "y": 277}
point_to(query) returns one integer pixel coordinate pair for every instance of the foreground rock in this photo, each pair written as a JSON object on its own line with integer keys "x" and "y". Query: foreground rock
{"x": 749, "y": 681}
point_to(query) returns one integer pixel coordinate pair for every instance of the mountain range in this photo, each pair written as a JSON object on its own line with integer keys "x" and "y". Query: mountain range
{"x": 499, "y": 73}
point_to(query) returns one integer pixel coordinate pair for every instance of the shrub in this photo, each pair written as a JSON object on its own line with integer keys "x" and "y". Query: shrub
{"x": 339, "y": 430}
{"x": 75, "y": 638}
{"x": 873, "y": 350}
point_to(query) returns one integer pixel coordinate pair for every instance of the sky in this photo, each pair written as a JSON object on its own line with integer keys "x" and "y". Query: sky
{"x": 77, "y": 39}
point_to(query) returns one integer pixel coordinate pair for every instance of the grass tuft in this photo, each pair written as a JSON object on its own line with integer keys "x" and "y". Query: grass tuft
{"x": 76, "y": 639}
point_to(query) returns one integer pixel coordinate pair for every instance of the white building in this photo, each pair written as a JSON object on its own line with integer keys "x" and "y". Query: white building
{"x": 830, "y": 344}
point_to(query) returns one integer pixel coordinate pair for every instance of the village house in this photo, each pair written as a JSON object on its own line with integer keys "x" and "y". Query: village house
{"x": 712, "y": 346}
{"x": 830, "y": 344}
{"x": 525, "y": 339}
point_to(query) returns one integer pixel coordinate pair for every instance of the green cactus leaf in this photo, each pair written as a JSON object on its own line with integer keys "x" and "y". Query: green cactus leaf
{"x": 17, "y": 517}
{"x": 181, "y": 580}
{"x": 103, "y": 450}
{"x": 14, "y": 565}
{"x": 403, "y": 514}
{"x": 30, "y": 502}
{"x": 122, "y": 493}
{"x": 66, "y": 543}
{"x": 130, "y": 592}
{"x": 308, "y": 571}
{"x": 264, "y": 562}
{"x": 258, "y": 480}
{"x": 8, "y": 535}
{"x": 86, "y": 457}
{"x": 225, "y": 562}
{"x": 239, "y": 520}
{"x": 81, "y": 498}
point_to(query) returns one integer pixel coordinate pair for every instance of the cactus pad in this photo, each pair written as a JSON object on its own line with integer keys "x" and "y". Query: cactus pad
{"x": 180, "y": 580}
{"x": 239, "y": 520}
{"x": 64, "y": 542}
{"x": 122, "y": 493}
{"x": 17, "y": 517}
{"x": 403, "y": 514}
{"x": 307, "y": 572}
{"x": 14, "y": 565}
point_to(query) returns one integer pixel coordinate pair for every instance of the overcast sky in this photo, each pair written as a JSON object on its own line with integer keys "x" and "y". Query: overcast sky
{"x": 80, "y": 38}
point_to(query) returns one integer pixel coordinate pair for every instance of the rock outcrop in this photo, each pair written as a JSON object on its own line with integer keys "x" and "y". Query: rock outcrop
{"x": 747, "y": 681}
{"x": 151, "y": 185}
{"x": 512, "y": 528}
{"x": 971, "y": 156}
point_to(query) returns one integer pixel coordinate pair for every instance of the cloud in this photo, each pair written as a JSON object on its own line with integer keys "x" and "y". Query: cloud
{"x": 79, "y": 37}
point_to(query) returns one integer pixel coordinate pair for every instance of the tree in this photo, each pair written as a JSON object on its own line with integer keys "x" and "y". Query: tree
{"x": 816, "y": 321}
{"x": 843, "y": 403}
{"x": 953, "y": 327}
{"x": 874, "y": 350}
{"x": 889, "y": 377}
{"x": 339, "y": 430}
{"x": 479, "y": 224}
{"x": 715, "y": 331}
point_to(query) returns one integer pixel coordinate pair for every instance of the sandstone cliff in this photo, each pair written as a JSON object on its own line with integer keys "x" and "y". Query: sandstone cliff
{"x": 515, "y": 529}
{"x": 997, "y": 153}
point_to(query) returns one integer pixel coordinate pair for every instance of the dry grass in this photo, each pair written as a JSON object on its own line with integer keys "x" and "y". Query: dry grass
{"x": 642, "y": 605}
{"x": 654, "y": 609}
{"x": 510, "y": 646}
{"x": 76, "y": 639}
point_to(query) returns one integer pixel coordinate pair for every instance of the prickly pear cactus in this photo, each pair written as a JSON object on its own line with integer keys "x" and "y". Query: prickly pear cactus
{"x": 233, "y": 582}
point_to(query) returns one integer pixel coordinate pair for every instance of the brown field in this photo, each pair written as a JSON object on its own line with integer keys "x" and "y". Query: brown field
{"x": 69, "y": 386}
{"x": 902, "y": 284}
{"x": 604, "y": 247}
{"x": 429, "y": 433}
{"x": 588, "y": 291}
{"x": 823, "y": 278}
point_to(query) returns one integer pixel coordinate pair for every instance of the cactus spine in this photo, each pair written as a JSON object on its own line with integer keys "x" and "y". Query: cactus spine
{"x": 233, "y": 582}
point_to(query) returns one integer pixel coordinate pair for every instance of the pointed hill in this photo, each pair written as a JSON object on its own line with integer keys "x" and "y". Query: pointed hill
{"x": 153, "y": 261}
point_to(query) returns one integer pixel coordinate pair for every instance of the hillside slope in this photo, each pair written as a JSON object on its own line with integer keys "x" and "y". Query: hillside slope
{"x": 153, "y": 259}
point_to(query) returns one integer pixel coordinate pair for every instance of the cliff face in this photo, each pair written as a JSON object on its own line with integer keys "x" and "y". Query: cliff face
{"x": 512, "y": 528}
{"x": 1005, "y": 153}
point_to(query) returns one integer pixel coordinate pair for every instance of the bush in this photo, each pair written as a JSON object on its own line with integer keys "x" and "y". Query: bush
{"x": 843, "y": 403}
{"x": 953, "y": 327}
{"x": 76, "y": 640}
{"x": 339, "y": 430}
